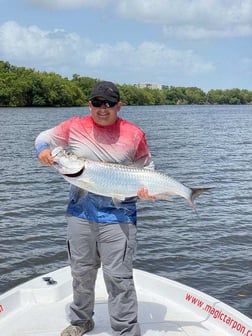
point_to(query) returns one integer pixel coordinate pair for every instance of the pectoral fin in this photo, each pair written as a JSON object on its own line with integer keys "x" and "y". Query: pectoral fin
{"x": 85, "y": 184}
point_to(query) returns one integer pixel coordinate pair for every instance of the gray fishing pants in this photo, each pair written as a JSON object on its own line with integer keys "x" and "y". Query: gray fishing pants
{"x": 113, "y": 245}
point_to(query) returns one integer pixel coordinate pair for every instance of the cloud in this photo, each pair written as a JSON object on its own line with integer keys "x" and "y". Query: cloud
{"x": 68, "y": 4}
{"x": 148, "y": 57}
{"x": 191, "y": 32}
{"x": 198, "y": 19}
{"x": 187, "y": 11}
{"x": 31, "y": 44}
{"x": 193, "y": 19}
{"x": 70, "y": 53}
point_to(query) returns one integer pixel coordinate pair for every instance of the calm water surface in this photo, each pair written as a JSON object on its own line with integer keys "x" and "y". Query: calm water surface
{"x": 199, "y": 145}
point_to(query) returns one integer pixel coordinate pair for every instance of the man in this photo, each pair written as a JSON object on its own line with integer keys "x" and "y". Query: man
{"x": 98, "y": 231}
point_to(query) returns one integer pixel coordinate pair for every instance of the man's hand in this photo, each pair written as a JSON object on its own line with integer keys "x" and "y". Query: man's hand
{"x": 144, "y": 194}
{"x": 45, "y": 157}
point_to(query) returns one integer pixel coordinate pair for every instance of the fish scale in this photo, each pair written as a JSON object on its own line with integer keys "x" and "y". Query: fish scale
{"x": 114, "y": 179}
{"x": 119, "y": 181}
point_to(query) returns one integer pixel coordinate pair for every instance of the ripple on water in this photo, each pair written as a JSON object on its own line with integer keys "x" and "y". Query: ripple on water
{"x": 199, "y": 145}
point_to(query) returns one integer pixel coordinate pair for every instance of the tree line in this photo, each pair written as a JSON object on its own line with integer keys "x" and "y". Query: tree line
{"x": 22, "y": 87}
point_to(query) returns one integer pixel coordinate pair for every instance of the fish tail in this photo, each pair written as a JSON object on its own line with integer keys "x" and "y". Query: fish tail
{"x": 195, "y": 193}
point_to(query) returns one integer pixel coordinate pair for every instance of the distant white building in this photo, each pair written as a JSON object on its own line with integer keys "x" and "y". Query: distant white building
{"x": 149, "y": 86}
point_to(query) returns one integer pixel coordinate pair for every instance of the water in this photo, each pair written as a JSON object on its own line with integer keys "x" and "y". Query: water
{"x": 199, "y": 145}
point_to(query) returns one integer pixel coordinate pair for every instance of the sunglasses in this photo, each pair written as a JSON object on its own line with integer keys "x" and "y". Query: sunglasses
{"x": 99, "y": 103}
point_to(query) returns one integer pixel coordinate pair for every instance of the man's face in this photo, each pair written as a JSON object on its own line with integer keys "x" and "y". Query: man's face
{"x": 103, "y": 112}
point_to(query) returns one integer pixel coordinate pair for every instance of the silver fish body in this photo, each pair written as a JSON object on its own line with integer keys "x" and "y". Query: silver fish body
{"x": 116, "y": 180}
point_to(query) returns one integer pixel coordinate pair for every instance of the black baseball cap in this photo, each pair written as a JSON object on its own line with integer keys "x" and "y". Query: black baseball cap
{"x": 107, "y": 90}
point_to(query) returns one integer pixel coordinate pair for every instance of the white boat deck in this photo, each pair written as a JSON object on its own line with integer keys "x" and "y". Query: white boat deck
{"x": 165, "y": 308}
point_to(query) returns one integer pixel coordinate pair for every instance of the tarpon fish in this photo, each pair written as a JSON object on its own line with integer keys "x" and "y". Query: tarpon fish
{"x": 118, "y": 181}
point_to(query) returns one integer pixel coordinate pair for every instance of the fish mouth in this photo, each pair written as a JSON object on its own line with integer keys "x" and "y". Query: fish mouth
{"x": 75, "y": 174}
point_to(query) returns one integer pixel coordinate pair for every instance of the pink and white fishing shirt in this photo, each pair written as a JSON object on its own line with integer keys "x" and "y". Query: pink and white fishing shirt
{"x": 122, "y": 142}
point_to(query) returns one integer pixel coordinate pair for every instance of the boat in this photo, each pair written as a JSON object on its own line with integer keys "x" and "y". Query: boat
{"x": 40, "y": 307}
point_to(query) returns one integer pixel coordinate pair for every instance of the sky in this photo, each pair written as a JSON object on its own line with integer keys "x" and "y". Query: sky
{"x": 190, "y": 43}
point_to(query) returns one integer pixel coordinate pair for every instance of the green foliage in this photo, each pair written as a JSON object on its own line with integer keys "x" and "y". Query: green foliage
{"x": 233, "y": 96}
{"x": 26, "y": 87}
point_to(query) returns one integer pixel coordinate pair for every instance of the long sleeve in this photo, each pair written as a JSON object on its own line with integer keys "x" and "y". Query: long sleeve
{"x": 142, "y": 157}
{"x": 53, "y": 137}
